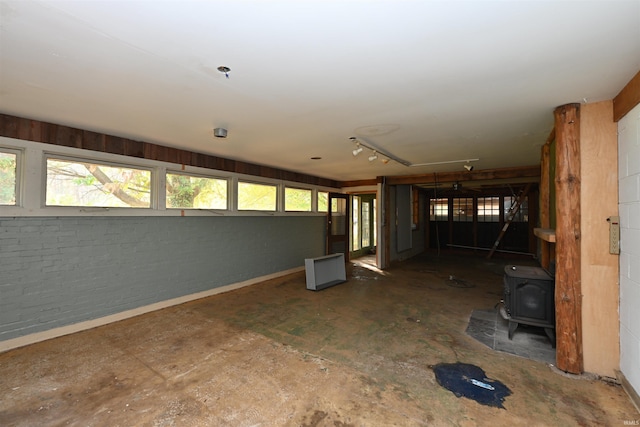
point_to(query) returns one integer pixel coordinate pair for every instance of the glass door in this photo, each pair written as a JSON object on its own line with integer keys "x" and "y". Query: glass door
{"x": 363, "y": 225}
{"x": 338, "y": 225}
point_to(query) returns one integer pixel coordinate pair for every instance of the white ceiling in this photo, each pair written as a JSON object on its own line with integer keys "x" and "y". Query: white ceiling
{"x": 429, "y": 81}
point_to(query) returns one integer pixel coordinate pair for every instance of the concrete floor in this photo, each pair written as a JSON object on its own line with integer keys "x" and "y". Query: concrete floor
{"x": 357, "y": 354}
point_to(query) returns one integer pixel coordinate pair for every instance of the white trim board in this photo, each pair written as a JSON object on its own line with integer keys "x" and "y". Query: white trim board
{"x": 101, "y": 321}
{"x": 628, "y": 388}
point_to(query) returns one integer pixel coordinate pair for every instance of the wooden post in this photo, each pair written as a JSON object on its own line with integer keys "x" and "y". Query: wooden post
{"x": 544, "y": 205}
{"x": 386, "y": 224}
{"x": 450, "y": 222}
{"x": 568, "y": 294}
{"x": 475, "y": 222}
{"x": 427, "y": 220}
{"x": 532, "y": 221}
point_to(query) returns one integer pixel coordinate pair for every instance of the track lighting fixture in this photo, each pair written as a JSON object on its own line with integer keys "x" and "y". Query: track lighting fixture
{"x": 443, "y": 163}
{"x": 376, "y": 154}
{"x": 385, "y": 156}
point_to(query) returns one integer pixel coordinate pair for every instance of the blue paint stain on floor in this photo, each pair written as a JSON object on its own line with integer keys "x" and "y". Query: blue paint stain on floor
{"x": 470, "y": 381}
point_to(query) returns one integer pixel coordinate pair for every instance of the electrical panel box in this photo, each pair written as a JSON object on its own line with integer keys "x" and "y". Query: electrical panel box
{"x": 614, "y": 234}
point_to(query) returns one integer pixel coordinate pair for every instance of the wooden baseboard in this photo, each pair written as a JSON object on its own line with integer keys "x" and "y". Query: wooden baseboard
{"x": 89, "y": 324}
{"x": 628, "y": 388}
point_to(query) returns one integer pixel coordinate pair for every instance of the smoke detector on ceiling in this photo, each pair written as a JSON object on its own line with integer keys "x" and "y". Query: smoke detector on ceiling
{"x": 220, "y": 133}
{"x": 224, "y": 70}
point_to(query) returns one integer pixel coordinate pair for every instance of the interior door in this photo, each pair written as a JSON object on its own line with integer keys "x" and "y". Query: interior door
{"x": 338, "y": 225}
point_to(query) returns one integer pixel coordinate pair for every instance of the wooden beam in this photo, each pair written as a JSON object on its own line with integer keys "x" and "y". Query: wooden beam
{"x": 386, "y": 224}
{"x": 481, "y": 175}
{"x": 475, "y": 222}
{"x": 450, "y": 221}
{"x": 627, "y": 99}
{"x": 545, "y": 214}
{"x": 568, "y": 292}
{"x": 532, "y": 220}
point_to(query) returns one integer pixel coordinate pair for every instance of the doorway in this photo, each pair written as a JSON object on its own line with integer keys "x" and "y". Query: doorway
{"x": 338, "y": 225}
{"x": 363, "y": 225}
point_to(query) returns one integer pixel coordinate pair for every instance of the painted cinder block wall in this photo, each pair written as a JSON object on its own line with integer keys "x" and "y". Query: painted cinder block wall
{"x": 629, "y": 208}
{"x": 64, "y": 270}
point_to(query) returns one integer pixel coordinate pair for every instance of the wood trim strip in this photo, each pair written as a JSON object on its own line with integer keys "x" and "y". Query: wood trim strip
{"x": 359, "y": 183}
{"x": 627, "y": 99}
{"x": 628, "y": 388}
{"x": 50, "y": 133}
{"x": 487, "y": 174}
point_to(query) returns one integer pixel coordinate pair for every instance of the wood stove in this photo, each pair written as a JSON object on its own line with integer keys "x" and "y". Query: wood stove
{"x": 529, "y": 299}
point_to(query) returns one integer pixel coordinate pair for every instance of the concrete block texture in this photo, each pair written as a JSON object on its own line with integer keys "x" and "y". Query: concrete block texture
{"x": 60, "y": 271}
{"x": 629, "y": 197}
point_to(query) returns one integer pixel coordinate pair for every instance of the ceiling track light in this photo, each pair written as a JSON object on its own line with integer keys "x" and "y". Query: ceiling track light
{"x": 385, "y": 156}
{"x": 376, "y": 154}
{"x": 446, "y": 162}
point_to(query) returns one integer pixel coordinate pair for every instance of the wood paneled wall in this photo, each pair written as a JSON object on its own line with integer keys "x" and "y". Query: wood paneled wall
{"x": 599, "y": 268}
{"x": 50, "y": 133}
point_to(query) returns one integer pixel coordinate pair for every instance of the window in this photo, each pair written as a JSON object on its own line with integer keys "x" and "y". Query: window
{"x": 463, "y": 209}
{"x": 195, "y": 192}
{"x": 8, "y": 177}
{"x": 355, "y": 221}
{"x": 256, "y": 197}
{"x": 523, "y": 213}
{"x": 375, "y": 222}
{"x": 297, "y": 200}
{"x": 366, "y": 224}
{"x": 488, "y": 209}
{"x": 68, "y": 179}
{"x": 439, "y": 209}
{"x": 83, "y": 183}
{"x": 323, "y": 201}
